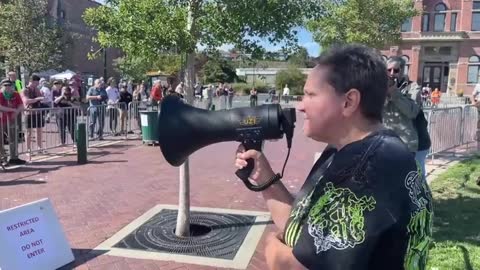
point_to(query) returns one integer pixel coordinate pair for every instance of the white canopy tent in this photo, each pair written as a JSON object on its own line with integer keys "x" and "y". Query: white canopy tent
{"x": 46, "y": 74}
{"x": 67, "y": 74}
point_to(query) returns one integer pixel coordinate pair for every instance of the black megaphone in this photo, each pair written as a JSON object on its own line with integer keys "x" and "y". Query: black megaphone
{"x": 183, "y": 129}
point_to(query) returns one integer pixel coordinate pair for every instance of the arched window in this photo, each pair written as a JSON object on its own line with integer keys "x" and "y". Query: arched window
{"x": 439, "y": 19}
{"x": 407, "y": 64}
{"x": 473, "y": 68}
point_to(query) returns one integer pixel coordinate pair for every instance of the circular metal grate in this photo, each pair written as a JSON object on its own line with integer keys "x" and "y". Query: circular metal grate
{"x": 212, "y": 235}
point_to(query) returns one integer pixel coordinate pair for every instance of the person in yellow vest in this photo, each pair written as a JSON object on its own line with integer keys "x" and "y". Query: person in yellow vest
{"x": 18, "y": 87}
{"x": 12, "y": 76}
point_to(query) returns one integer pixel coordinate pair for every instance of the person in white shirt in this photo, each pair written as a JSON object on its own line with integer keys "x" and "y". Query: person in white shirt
{"x": 476, "y": 94}
{"x": 47, "y": 97}
{"x": 286, "y": 93}
{"x": 180, "y": 90}
{"x": 113, "y": 97}
{"x": 209, "y": 95}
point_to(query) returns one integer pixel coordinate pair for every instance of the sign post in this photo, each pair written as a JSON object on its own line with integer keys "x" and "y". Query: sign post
{"x": 31, "y": 237}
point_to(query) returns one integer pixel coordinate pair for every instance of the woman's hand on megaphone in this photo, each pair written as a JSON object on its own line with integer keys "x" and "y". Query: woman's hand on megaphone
{"x": 262, "y": 171}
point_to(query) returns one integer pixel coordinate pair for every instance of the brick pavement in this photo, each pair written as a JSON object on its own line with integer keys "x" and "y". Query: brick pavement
{"x": 122, "y": 181}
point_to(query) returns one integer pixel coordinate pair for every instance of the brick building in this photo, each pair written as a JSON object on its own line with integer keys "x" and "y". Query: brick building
{"x": 69, "y": 12}
{"x": 442, "y": 45}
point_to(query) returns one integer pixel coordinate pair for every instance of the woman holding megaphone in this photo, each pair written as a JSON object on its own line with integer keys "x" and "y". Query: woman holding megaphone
{"x": 365, "y": 204}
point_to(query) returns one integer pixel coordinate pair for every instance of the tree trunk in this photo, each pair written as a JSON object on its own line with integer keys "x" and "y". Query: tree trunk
{"x": 183, "y": 218}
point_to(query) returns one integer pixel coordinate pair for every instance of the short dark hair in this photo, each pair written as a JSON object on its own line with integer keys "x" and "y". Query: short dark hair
{"x": 110, "y": 80}
{"x": 399, "y": 60}
{"x": 357, "y": 66}
{"x": 35, "y": 78}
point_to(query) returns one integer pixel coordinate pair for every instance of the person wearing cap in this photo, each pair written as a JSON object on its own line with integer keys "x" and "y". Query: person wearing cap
{"x": 18, "y": 86}
{"x": 75, "y": 85}
{"x": 48, "y": 96}
{"x": 10, "y": 106}
{"x": 35, "y": 115}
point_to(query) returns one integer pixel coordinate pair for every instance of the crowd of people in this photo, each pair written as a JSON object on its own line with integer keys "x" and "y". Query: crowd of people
{"x": 32, "y": 104}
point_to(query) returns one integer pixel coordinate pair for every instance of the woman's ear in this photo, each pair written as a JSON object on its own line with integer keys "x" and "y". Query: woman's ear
{"x": 351, "y": 102}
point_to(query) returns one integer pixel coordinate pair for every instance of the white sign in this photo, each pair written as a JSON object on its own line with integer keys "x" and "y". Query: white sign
{"x": 144, "y": 120}
{"x": 31, "y": 237}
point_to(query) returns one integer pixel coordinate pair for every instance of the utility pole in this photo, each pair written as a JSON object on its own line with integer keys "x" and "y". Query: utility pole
{"x": 105, "y": 64}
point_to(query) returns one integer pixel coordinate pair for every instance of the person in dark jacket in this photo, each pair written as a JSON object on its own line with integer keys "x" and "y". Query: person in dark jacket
{"x": 125, "y": 99}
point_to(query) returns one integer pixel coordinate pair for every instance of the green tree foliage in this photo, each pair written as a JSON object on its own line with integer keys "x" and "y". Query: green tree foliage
{"x": 149, "y": 27}
{"x": 292, "y": 77}
{"x": 375, "y": 23}
{"x": 29, "y": 37}
{"x": 300, "y": 58}
{"x": 218, "y": 70}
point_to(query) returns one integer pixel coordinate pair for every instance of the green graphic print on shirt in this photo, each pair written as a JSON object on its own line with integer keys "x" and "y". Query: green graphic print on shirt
{"x": 420, "y": 225}
{"x": 294, "y": 228}
{"x": 337, "y": 219}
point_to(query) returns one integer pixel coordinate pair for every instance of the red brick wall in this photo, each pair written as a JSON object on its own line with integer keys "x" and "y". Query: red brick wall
{"x": 466, "y": 47}
{"x": 76, "y": 55}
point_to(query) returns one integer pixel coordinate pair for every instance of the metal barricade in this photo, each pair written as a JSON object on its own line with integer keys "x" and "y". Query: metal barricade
{"x": 445, "y": 129}
{"x": 133, "y": 119}
{"x": 32, "y": 133}
{"x": 469, "y": 124}
{"x": 106, "y": 120}
{"x": 10, "y": 136}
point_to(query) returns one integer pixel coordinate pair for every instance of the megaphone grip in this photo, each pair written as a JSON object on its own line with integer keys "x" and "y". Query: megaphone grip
{"x": 244, "y": 174}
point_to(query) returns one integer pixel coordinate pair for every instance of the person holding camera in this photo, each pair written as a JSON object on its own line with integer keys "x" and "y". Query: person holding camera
{"x": 364, "y": 204}
{"x": 67, "y": 114}
{"x": 403, "y": 111}
{"x": 35, "y": 111}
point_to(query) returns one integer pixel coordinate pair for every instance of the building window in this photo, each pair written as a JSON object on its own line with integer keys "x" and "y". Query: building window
{"x": 62, "y": 14}
{"x": 425, "y": 23}
{"x": 407, "y": 25}
{"x": 407, "y": 64}
{"x": 476, "y": 4}
{"x": 473, "y": 68}
{"x": 445, "y": 50}
{"x": 453, "y": 22}
{"x": 430, "y": 50}
{"x": 476, "y": 16}
{"x": 439, "y": 19}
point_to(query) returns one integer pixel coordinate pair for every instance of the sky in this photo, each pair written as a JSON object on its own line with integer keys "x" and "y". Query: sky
{"x": 305, "y": 39}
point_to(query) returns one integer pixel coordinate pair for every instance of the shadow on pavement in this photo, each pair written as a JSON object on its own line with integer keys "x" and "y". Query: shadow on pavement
{"x": 82, "y": 256}
{"x": 44, "y": 167}
{"x": 21, "y": 182}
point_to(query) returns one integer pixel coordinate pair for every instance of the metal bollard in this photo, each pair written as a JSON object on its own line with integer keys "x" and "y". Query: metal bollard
{"x": 81, "y": 143}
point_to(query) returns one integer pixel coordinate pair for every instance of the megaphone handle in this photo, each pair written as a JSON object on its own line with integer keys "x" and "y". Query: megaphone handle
{"x": 245, "y": 173}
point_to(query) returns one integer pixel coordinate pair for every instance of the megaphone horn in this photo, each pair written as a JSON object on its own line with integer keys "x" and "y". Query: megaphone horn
{"x": 184, "y": 129}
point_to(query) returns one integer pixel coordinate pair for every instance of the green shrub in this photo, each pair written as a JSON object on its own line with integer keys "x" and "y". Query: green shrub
{"x": 292, "y": 77}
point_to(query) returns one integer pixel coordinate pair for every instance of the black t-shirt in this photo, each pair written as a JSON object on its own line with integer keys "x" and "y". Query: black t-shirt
{"x": 369, "y": 209}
